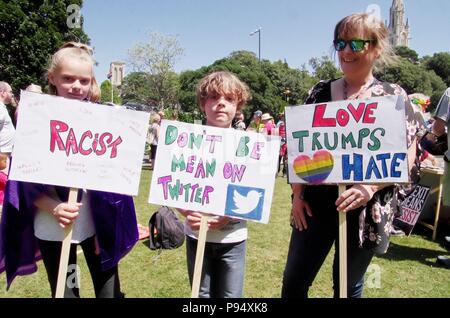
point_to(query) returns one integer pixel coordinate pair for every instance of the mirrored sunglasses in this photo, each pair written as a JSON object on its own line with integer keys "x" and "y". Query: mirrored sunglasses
{"x": 356, "y": 45}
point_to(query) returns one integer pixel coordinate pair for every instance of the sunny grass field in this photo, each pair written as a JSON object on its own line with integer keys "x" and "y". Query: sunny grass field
{"x": 407, "y": 270}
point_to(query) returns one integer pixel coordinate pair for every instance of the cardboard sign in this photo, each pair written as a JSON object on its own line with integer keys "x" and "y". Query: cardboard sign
{"x": 347, "y": 142}
{"x": 215, "y": 170}
{"x": 411, "y": 208}
{"x": 77, "y": 144}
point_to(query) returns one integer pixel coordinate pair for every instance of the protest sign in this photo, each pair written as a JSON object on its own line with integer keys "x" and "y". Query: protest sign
{"x": 215, "y": 170}
{"x": 411, "y": 207}
{"x": 347, "y": 142}
{"x": 76, "y": 144}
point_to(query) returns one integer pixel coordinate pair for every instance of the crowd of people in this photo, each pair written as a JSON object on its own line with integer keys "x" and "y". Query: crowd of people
{"x": 35, "y": 215}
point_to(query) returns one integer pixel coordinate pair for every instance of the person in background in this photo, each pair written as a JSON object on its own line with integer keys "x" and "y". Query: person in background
{"x": 269, "y": 126}
{"x": 256, "y": 124}
{"x": 239, "y": 123}
{"x": 3, "y": 178}
{"x": 441, "y": 127}
{"x": 7, "y": 130}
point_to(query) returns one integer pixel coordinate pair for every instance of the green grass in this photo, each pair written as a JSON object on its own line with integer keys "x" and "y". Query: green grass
{"x": 407, "y": 270}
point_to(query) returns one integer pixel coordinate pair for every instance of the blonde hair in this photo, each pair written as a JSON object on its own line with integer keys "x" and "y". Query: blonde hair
{"x": 155, "y": 118}
{"x": 223, "y": 83}
{"x": 371, "y": 28}
{"x": 76, "y": 50}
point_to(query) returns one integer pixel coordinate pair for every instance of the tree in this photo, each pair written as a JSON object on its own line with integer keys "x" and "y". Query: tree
{"x": 135, "y": 89}
{"x": 324, "y": 68}
{"x": 30, "y": 31}
{"x": 414, "y": 79}
{"x": 440, "y": 64}
{"x": 407, "y": 53}
{"x": 105, "y": 87}
{"x": 157, "y": 58}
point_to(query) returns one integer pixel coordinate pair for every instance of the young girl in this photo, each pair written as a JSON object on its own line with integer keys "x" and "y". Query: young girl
{"x": 35, "y": 215}
{"x": 220, "y": 95}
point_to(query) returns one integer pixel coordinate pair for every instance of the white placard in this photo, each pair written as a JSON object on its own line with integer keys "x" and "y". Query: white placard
{"x": 77, "y": 144}
{"x": 215, "y": 170}
{"x": 347, "y": 142}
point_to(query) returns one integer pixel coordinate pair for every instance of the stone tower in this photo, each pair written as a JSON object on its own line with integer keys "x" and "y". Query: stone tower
{"x": 399, "y": 30}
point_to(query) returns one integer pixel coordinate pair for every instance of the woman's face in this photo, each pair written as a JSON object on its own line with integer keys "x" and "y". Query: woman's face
{"x": 72, "y": 78}
{"x": 358, "y": 64}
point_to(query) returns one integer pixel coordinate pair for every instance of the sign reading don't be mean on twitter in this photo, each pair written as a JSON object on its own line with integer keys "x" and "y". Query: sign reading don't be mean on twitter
{"x": 214, "y": 170}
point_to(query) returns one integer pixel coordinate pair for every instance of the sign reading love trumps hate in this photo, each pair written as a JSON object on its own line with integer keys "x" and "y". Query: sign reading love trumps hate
{"x": 77, "y": 144}
{"x": 215, "y": 170}
{"x": 347, "y": 142}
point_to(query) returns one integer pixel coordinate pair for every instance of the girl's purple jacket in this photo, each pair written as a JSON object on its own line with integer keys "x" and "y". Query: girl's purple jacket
{"x": 113, "y": 215}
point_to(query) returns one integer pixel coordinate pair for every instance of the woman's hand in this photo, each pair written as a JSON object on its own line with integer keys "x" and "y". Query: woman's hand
{"x": 299, "y": 206}
{"x": 66, "y": 213}
{"x": 355, "y": 197}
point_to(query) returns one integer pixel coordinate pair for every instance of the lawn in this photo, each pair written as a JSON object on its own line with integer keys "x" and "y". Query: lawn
{"x": 407, "y": 270}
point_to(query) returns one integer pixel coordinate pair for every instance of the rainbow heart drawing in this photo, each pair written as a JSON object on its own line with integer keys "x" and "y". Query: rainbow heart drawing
{"x": 315, "y": 170}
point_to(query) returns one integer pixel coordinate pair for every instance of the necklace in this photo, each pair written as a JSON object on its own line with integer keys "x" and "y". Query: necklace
{"x": 361, "y": 91}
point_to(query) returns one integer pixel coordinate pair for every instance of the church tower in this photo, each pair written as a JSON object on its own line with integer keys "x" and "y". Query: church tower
{"x": 399, "y": 31}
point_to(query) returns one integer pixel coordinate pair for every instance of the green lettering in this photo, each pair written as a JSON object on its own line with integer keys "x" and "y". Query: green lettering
{"x": 171, "y": 134}
{"x": 242, "y": 149}
{"x": 300, "y": 135}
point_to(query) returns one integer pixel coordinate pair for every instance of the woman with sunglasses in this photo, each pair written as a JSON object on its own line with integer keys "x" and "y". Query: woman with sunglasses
{"x": 361, "y": 42}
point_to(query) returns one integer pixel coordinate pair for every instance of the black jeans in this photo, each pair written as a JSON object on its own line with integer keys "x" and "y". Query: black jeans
{"x": 106, "y": 283}
{"x": 309, "y": 248}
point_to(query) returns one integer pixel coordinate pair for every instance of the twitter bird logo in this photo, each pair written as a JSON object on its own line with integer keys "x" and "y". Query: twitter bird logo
{"x": 244, "y": 202}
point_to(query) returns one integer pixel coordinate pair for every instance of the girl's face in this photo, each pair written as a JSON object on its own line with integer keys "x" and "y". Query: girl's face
{"x": 358, "y": 64}
{"x": 220, "y": 110}
{"x": 3, "y": 163}
{"x": 72, "y": 78}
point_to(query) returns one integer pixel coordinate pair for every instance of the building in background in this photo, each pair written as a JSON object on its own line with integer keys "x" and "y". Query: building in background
{"x": 399, "y": 30}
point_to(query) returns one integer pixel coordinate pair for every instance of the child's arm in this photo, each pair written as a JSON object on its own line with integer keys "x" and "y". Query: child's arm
{"x": 62, "y": 211}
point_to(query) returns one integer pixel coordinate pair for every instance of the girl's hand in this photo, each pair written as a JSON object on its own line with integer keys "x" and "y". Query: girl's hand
{"x": 66, "y": 213}
{"x": 355, "y": 197}
{"x": 299, "y": 206}
{"x": 218, "y": 222}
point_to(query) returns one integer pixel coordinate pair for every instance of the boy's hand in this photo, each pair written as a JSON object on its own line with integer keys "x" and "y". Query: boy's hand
{"x": 66, "y": 213}
{"x": 194, "y": 219}
{"x": 217, "y": 223}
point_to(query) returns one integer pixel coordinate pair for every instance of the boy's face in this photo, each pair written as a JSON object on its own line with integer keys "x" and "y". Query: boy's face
{"x": 220, "y": 110}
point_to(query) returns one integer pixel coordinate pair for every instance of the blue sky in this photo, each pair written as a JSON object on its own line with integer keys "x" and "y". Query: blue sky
{"x": 208, "y": 30}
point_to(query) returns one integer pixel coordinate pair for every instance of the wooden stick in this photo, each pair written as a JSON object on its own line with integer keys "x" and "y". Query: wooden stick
{"x": 65, "y": 250}
{"x": 199, "y": 256}
{"x": 342, "y": 250}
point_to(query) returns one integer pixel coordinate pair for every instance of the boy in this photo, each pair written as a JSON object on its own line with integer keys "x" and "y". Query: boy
{"x": 219, "y": 95}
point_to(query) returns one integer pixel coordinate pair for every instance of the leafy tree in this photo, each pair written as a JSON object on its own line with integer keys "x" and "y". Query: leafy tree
{"x": 414, "y": 79}
{"x": 30, "y": 31}
{"x": 324, "y": 68}
{"x": 407, "y": 53}
{"x": 105, "y": 87}
{"x": 440, "y": 64}
{"x": 157, "y": 58}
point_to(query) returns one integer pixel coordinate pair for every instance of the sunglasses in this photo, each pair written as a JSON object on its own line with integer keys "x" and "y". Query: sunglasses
{"x": 357, "y": 45}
